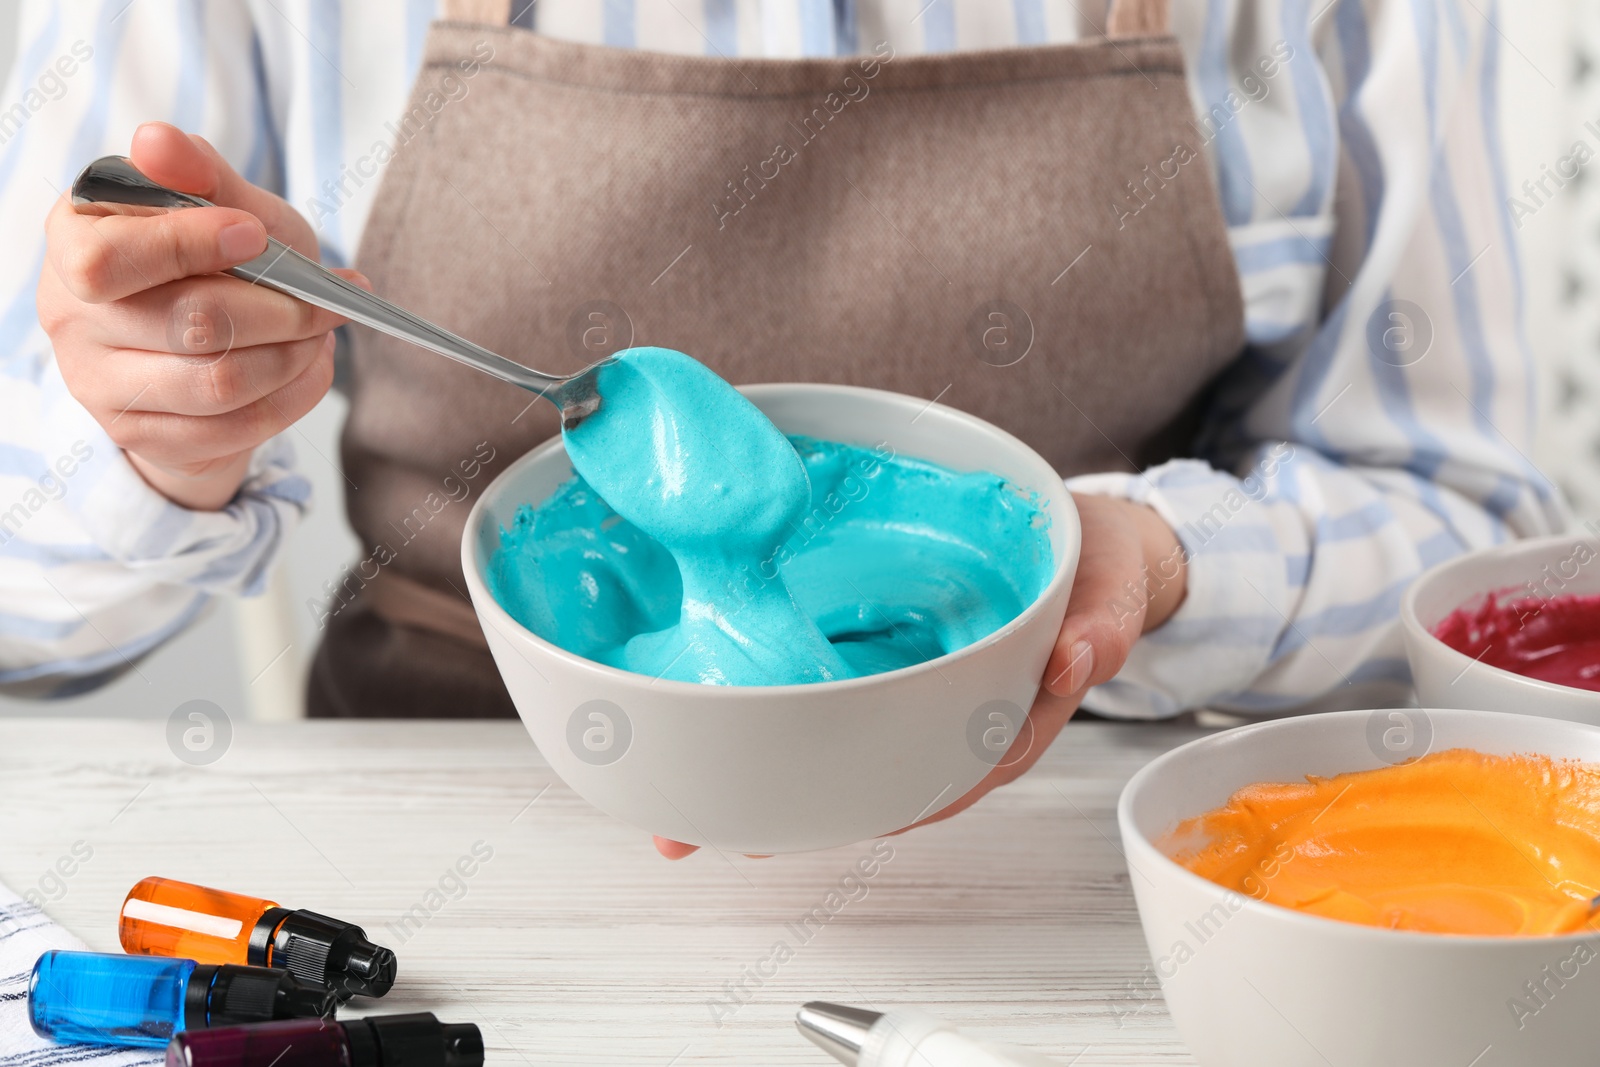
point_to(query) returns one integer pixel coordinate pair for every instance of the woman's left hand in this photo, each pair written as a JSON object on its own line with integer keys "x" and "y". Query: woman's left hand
{"x": 1131, "y": 578}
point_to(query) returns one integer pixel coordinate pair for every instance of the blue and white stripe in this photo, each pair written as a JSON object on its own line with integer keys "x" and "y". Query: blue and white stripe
{"x": 1357, "y": 172}
{"x": 26, "y": 933}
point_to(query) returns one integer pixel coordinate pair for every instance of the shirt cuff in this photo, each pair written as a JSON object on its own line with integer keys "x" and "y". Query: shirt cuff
{"x": 225, "y": 551}
{"x": 1238, "y": 598}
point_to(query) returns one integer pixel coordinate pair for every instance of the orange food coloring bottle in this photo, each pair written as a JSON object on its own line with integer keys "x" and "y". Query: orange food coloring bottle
{"x": 164, "y": 917}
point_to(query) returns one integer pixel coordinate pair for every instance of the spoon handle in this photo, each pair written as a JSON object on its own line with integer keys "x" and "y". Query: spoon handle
{"x": 115, "y": 180}
{"x": 282, "y": 268}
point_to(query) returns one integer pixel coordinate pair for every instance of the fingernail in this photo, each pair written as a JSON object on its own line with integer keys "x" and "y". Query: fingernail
{"x": 1082, "y": 665}
{"x": 240, "y": 242}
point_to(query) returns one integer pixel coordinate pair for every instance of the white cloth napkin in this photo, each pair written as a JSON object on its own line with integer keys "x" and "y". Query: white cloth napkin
{"x": 25, "y": 934}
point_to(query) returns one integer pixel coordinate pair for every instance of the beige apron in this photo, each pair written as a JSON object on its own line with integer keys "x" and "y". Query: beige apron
{"x": 1028, "y": 234}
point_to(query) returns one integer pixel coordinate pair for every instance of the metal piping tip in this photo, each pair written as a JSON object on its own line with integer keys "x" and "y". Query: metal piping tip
{"x": 837, "y": 1029}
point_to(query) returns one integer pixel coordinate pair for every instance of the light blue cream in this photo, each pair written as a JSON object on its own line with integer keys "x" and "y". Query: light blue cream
{"x": 700, "y": 544}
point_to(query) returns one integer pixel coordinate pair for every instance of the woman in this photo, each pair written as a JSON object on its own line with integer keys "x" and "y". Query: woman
{"x": 1250, "y": 286}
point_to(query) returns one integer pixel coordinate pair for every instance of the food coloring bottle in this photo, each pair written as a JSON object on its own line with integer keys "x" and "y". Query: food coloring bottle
{"x": 377, "y": 1041}
{"x": 107, "y": 999}
{"x": 163, "y": 917}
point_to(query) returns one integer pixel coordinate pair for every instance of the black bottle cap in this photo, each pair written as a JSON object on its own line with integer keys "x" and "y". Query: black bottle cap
{"x": 324, "y": 951}
{"x": 196, "y": 995}
{"x": 368, "y": 969}
{"x": 233, "y": 995}
{"x": 418, "y": 1040}
{"x": 259, "y": 953}
{"x": 463, "y": 1045}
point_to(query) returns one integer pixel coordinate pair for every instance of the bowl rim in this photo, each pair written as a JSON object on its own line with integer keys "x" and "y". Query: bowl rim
{"x": 1065, "y": 567}
{"x": 1413, "y": 625}
{"x": 1135, "y": 839}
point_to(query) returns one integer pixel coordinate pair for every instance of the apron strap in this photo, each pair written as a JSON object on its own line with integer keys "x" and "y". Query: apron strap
{"x": 1127, "y": 18}
{"x": 1137, "y": 18}
{"x": 485, "y": 12}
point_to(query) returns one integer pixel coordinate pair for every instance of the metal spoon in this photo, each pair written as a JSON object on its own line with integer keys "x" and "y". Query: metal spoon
{"x": 115, "y": 180}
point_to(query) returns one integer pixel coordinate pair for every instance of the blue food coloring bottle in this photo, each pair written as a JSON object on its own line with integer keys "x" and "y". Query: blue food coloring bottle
{"x": 105, "y": 999}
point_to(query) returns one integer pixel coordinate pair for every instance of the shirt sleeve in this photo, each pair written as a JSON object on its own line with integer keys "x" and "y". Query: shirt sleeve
{"x": 1381, "y": 417}
{"x": 96, "y": 567}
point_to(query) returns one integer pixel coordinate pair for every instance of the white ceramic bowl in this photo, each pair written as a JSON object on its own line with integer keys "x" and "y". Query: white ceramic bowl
{"x": 785, "y": 768}
{"x": 1558, "y": 565}
{"x": 1255, "y": 985}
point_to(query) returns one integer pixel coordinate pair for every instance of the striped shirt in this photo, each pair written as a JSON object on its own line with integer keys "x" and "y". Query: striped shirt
{"x": 1377, "y": 422}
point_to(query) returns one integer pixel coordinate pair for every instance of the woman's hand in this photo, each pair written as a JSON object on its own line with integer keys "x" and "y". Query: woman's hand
{"x": 185, "y": 369}
{"x": 1131, "y": 578}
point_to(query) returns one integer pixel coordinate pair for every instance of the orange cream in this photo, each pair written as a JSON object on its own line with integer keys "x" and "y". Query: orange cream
{"x": 1457, "y": 842}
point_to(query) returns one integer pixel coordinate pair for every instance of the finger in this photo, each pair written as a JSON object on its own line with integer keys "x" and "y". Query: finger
{"x": 190, "y": 164}
{"x": 100, "y": 258}
{"x": 1044, "y": 723}
{"x": 674, "y": 850}
{"x": 1096, "y": 636}
{"x": 126, "y": 381}
{"x": 203, "y": 316}
{"x": 1103, "y": 617}
{"x": 180, "y": 443}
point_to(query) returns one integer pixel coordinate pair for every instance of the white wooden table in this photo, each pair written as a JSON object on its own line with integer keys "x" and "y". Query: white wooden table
{"x": 575, "y": 943}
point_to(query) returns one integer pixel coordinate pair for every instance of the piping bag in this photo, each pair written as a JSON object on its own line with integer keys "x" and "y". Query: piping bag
{"x": 902, "y": 1038}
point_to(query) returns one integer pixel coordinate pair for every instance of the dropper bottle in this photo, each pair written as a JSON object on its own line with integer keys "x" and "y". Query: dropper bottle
{"x": 164, "y": 917}
{"x": 108, "y": 999}
{"x": 418, "y": 1040}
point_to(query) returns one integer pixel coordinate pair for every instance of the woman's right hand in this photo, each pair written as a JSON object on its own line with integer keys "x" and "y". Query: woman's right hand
{"x": 188, "y": 370}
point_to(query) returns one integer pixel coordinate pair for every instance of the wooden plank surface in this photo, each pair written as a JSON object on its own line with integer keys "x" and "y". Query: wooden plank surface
{"x": 573, "y": 942}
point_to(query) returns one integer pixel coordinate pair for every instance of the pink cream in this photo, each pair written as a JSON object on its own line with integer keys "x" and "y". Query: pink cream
{"x": 1554, "y": 640}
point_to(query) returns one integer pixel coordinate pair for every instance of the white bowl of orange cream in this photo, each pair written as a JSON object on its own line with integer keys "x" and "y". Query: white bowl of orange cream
{"x": 1429, "y": 913}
